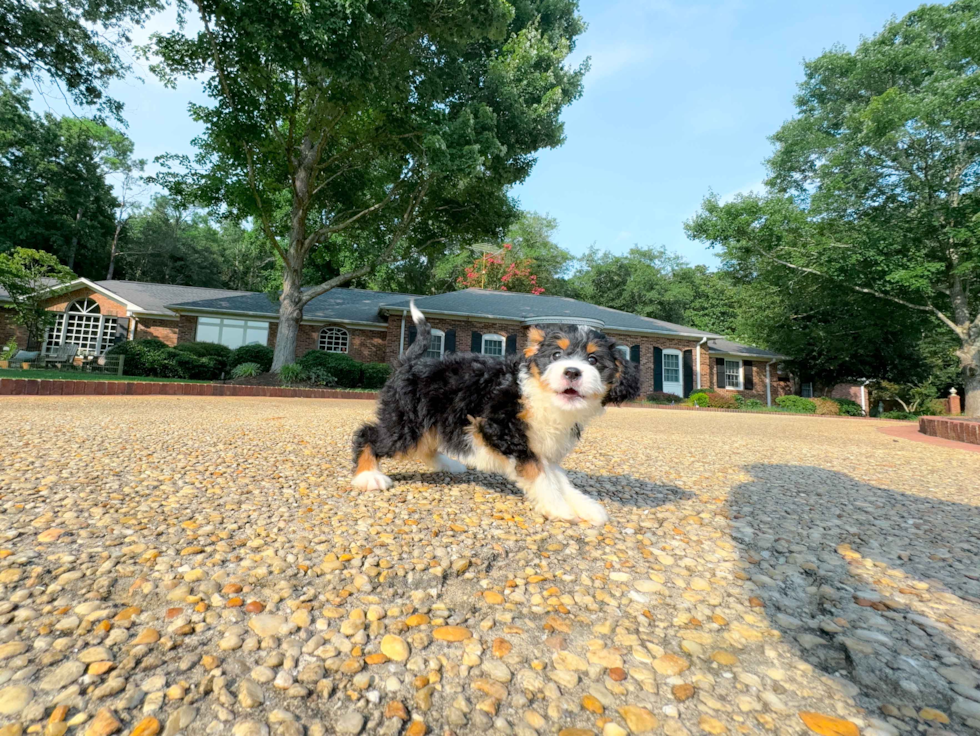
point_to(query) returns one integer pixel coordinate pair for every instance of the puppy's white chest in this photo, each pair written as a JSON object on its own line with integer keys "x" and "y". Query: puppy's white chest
{"x": 552, "y": 441}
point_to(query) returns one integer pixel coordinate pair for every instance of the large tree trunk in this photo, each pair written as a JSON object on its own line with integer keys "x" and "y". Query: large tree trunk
{"x": 113, "y": 252}
{"x": 290, "y": 316}
{"x": 971, "y": 406}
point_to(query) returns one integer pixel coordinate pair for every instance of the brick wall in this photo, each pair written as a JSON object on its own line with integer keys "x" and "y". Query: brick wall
{"x": 164, "y": 330}
{"x": 10, "y": 330}
{"x": 107, "y": 306}
{"x": 366, "y": 346}
{"x": 779, "y": 388}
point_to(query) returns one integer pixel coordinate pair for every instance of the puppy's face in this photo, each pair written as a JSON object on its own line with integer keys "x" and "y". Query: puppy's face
{"x": 580, "y": 366}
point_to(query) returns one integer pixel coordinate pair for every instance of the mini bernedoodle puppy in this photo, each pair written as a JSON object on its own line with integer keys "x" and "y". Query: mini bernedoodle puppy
{"x": 515, "y": 415}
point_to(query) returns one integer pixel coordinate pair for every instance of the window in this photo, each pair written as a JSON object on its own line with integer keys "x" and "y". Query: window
{"x": 672, "y": 368}
{"x": 334, "y": 340}
{"x": 733, "y": 374}
{"x": 232, "y": 333}
{"x": 493, "y": 344}
{"x": 806, "y": 390}
{"x": 83, "y": 325}
{"x": 436, "y": 344}
{"x": 624, "y": 351}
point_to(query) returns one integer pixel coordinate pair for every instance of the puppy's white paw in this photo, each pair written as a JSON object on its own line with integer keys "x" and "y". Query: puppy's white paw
{"x": 449, "y": 465}
{"x": 589, "y": 510}
{"x": 556, "y": 508}
{"x": 372, "y": 480}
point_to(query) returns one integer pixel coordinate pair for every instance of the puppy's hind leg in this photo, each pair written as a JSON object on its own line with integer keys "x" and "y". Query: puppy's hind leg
{"x": 448, "y": 464}
{"x": 367, "y": 471}
{"x": 585, "y": 508}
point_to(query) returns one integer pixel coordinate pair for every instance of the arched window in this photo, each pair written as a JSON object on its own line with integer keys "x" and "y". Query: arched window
{"x": 83, "y": 325}
{"x": 334, "y": 340}
{"x": 494, "y": 344}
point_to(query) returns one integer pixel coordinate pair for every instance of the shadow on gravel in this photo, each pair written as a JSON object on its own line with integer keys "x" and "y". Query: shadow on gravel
{"x": 622, "y": 489}
{"x": 874, "y": 587}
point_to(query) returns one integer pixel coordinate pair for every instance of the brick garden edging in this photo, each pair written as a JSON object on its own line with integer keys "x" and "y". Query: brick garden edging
{"x": 48, "y": 387}
{"x": 949, "y": 428}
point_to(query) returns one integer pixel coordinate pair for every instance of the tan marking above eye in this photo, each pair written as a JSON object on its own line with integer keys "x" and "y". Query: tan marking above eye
{"x": 563, "y": 343}
{"x": 530, "y": 351}
{"x": 591, "y": 348}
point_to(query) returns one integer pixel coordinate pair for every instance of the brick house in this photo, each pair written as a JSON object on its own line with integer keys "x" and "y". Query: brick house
{"x": 373, "y": 326}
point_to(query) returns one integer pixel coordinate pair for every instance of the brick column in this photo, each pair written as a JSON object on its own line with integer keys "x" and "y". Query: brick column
{"x": 955, "y": 405}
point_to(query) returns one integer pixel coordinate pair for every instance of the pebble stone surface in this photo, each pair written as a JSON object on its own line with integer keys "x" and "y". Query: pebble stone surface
{"x": 202, "y": 566}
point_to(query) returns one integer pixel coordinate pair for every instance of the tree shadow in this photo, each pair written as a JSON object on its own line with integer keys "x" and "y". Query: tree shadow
{"x": 871, "y": 585}
{"x": 625, "y": 490}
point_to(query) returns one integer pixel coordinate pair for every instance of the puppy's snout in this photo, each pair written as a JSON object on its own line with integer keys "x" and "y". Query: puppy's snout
{"x": 573, "y": 374}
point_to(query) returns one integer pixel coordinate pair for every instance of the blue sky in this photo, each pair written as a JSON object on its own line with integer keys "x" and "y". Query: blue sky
{"x": 680, "y": 100}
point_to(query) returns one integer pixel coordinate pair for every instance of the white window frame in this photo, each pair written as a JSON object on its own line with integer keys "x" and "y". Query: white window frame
{"x": 88, "y": 318}
{"x": 625, "y": 351}
{"x": 237, "y": 325}
{"x": 321, "y": 340}
{"x": 728, "y": 362}
{"x": 680, "y": 366}
{"x": 806, "y": 389}
{"x": 442, "y": 345}
{"x": 492, "y": 336}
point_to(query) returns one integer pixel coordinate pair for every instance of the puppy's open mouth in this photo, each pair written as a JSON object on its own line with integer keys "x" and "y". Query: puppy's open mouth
{"x": 571, "y": 392}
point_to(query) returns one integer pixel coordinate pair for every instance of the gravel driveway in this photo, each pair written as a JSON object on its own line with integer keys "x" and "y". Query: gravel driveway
{"x": 201, "y": 566}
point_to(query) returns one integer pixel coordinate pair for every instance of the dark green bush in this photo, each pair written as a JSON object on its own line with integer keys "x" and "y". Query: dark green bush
{"x": 260, "y": 354}
{"x": 292, "y": 374}
{"x": 849, "y": 408}
{"x": 156, "y": 359}
{"x": 375, "y": 375}
{"x": 899, "y": 415}
{"x": 662, "y": 397}
{"x": 702, "y": 391}
{"x": 220, "y": 353}
{"x": 348, "y": 372}
{"x": 754, "y": 405}
{"x": 140, "y": 355}
{"x": 739, "y": 400}
{"x": 796, "y": 404}
{"x": 320, "y": 377}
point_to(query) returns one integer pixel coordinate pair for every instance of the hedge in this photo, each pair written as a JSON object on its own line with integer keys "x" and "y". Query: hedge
{"x": 254, "y": 353}
{"x": 153, "y": 358}
{"x": 797, "y": 404}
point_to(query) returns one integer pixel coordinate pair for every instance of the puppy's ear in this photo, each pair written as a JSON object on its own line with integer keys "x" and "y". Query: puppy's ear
{"x": 535, "y": 336}
{"x": 627, "y": 387}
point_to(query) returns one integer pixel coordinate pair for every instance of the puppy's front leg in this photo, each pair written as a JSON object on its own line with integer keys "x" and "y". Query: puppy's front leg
{"x": 543, "y": 489}
{"x": 584, "y": 507}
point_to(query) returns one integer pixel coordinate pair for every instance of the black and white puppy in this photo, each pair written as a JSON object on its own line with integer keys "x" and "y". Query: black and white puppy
{"x": 515, "y": 415}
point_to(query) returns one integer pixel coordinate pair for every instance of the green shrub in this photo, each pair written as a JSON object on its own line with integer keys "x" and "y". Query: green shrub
{"x": 259, "y": 354}
{"x": 722, "y": 401}
{"x": 827, "y": 407}
{"x": 141, "y": 356}
{"x": 796, "y": 404}
{"x": 153, "y": 358}
{"x": 697, "y": 399}
{"x": 9, "y": 350}
{"x": 899, "y": 415}
{"x": 702, "y": 391}
{"x": 739, "y": 400}
{"x": 754, "y": 405}
{"x": 220, "y": 353}
{"x": 320, "y": 377}
{"x": 849, "y": 408}
{"x": 347, "y": 371}
{"x": 292, "y": 374}
{"x": 375, "y": 375}
{"x": 935, "y": 408}
{"x": 246, "y": 370}
{"x": 662, "y": 397}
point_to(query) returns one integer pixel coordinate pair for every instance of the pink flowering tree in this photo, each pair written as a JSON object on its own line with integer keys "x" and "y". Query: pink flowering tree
{"x": 501, "y": 271}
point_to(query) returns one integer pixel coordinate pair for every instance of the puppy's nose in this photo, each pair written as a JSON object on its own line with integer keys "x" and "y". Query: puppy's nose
{"x": 572, "y": 373}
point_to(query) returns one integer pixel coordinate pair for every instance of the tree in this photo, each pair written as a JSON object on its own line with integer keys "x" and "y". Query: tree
{"x": 72, "y": 42}
{"x": 53, "y": 193}
{"x": 500, "y": 271}
{"x": 873, "y": 186}
{"x": 366, "y": 128}
{"x": 26, "y": 275}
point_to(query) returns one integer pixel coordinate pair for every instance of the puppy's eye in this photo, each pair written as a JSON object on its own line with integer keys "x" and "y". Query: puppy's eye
{"x": 592, "y": 360}
{"x": 556, "y": 355}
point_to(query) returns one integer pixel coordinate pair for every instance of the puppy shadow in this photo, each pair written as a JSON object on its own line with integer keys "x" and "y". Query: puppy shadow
{"x": 610, "y": 490}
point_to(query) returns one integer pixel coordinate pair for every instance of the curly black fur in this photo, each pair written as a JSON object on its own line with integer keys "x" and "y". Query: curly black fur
{"x": 466, "y": 392}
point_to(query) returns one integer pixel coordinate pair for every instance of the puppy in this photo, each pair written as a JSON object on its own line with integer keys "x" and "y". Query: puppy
{"x": 515, "y": 415}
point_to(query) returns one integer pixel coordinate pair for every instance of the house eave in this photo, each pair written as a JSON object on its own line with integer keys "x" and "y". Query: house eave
{"x": 266, "y": 317}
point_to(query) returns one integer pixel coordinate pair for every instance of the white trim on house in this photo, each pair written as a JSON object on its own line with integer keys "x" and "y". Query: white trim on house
{"x": 321, "y": 338}
{"x": 495, "y": 337}
{"x": 442, "y": 343}
{"x": 79, "y": 282}
{"x": 353, "y": 324}
{"x": 741, "y": 379}
{"x": 679, "y": 383}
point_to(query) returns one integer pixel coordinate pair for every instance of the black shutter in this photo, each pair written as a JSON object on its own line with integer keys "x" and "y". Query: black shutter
{"x": 449, "y": 343}
{"x": 412, "y": 334}
{"x": 720, "y": 372}
{"x": 748, "y": 383}
{"x": 476, "y": 342}
{"x": 122, "y": 330}
{"x": 688, "y": 372}
{"x": 658, "y": 369}
{"x": 511, "y": 344}
{"x": 635, "y": 354}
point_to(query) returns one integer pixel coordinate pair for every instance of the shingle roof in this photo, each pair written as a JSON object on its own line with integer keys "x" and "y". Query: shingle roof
{"x": 346, "y": 305}
{"x": 720, "y": 345}
{"x": 157, "y": 298}
{"x": 526, "y": 307}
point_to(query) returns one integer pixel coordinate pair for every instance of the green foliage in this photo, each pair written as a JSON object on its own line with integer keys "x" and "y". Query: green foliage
{"x": 320, "y": 376}
{"x": 704, "y": 390}
{"x": 375, "y": 375}
{"x": 25, "y": 274}
{"x": 662, "y": 397}
{"x": 246, "y": 370}
{"x": 77, "y": 43}
{"x": 260, "y": 354}
{"x": 221, "y": 354}
{"x": 826, "y": 407}
{"x": 346, "y": 371}
{"x": 754, "y": 405}
{"x": 697, "y": 399}
{"x": 848, "y": 407}
{"x": 291, "y": 374}
{"x": 722, "y": 401}
{"x": 872, "y": 202}
{"x": 904, "y": 415}
{"x": 157, "y": 359}
{"x": 796, "y": 404}
{"x": 739, "y": 400}
{"x": 935, "y": 408}
{"x": 9, "y": 350}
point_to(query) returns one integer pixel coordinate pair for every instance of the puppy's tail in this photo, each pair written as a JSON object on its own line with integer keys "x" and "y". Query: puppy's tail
{"x": 422, "y": 338}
